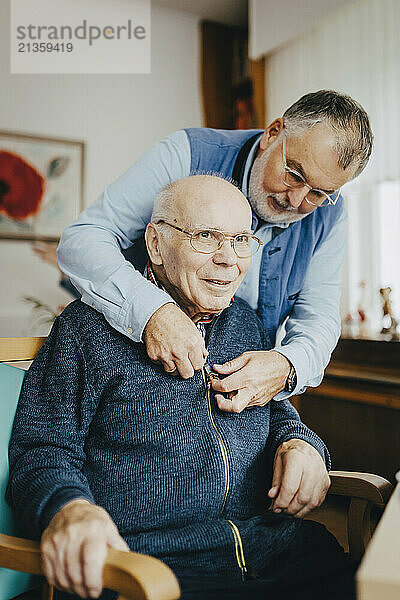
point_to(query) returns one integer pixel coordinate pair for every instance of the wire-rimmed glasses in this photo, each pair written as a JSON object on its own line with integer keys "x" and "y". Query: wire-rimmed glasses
{"x": 207, "y": 241}
{"x": 293, "y": 179}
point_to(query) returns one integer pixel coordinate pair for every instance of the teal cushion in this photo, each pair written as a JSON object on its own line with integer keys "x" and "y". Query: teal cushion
{"x": 12, "y": 583}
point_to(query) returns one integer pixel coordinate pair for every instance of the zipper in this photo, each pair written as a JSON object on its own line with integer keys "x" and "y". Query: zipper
{"x": 224, "y": 452}
{"x": 239, "y": 549}
{"x": 208, "y": 376}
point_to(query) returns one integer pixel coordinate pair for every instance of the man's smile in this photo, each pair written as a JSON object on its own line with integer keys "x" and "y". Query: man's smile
{"x": 218, "y": 282}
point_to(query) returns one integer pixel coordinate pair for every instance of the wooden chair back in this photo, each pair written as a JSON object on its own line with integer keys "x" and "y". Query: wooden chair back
{"x": 16, "y": 349}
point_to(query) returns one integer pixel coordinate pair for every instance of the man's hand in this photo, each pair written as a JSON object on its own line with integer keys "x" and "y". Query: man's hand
{"x": 74, "y": 547}
{"x": 300, "y": 480}
{"x": 254, "y": 379}
{"x": 172, "y": 339}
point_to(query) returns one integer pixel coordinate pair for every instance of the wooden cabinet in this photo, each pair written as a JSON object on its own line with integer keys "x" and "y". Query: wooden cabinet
{"x": 356, "y": 409}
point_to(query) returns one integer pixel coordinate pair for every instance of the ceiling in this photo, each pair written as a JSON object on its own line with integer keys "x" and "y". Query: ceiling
{"x": 230, "y": 12}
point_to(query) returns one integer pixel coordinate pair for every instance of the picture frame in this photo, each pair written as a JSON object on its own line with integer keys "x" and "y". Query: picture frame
{"x": 41, "y": 185}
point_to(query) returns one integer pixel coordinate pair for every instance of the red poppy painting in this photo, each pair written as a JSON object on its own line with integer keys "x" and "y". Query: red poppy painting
{"x": 21, "y": 187}
{"x": 40, "y": 185}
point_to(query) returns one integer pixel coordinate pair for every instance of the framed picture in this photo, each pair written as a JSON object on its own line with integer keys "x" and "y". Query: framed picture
{"x": 41, "y": 185}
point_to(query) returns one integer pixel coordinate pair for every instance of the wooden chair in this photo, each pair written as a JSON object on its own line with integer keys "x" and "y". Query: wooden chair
{"x": 350, "y": 512}
{"x": 352, "y": 508}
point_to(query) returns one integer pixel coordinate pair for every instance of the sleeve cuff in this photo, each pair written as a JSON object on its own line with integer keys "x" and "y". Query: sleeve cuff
{"x": 299, "y": 431}
{"x": 296, "y": 354}
{"x": 60, "y": 499}
{"x": 134, "y": 322}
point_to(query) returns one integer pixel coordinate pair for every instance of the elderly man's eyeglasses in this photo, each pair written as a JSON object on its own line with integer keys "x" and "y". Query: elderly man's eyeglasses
{"x": 293, "y": 179}
{"x": 208, "y": 241}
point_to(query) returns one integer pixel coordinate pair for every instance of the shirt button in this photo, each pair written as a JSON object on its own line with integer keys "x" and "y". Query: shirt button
{"x": 129, "y": 330}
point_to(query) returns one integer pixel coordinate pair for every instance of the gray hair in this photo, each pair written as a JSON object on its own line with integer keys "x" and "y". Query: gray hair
{"x": 346, "y": 117}
{"x": 163, "y": 202}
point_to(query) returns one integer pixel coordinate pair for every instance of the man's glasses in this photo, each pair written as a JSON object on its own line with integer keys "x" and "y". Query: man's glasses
{"x": 293, "y": 179}
{"x": 208, "y": 241}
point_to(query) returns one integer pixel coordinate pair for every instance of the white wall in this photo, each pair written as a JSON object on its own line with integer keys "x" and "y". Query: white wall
{"x": 118, "y": 116}
{"x": 273, "y": 24}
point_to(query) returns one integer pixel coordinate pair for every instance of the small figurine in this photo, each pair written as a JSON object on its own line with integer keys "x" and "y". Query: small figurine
{"x": 388, "y": 320}
{"x": 349, "y": 326}
{"x": 364, "y": 329}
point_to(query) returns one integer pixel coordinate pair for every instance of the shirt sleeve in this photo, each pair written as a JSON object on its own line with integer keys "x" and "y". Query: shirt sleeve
{"x": 90, "y": 249}
{"x": 313, "y": 328}
{"x": 47, "y": 446}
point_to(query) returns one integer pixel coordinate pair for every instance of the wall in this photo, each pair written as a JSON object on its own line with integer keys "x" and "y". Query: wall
{"x": 118, "y": 116}
{"x": 273, "y": 24}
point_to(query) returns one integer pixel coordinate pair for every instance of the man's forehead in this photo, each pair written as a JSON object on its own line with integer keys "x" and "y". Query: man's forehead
{"x": 313, "y": 153}
{"x": 214, "y": 206}
{"x": 222, "y": 228}
{"x": 227, "y": 217}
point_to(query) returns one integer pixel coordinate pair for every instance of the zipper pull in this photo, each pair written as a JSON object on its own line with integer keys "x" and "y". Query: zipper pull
{"x": 211, "y": 375}
{"x": 244, "y": 573}
{"x": 208, "y": 371}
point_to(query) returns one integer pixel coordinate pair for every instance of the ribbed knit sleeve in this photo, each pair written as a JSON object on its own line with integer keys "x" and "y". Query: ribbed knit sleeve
{"x": 286, "y": 425}
{"x": 54, "y": 413}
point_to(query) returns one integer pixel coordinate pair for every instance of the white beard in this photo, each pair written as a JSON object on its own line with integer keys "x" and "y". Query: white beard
{"x": 281, "y": 211}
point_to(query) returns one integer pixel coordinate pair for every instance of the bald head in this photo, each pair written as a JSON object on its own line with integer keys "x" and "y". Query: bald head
{"x": 201, "y": 277}
{"x": 192, "y": 197}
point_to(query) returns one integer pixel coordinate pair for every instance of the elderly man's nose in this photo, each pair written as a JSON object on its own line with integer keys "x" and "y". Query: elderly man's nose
{"x": 297, "y": 195}
{"x": 226, "y": 254}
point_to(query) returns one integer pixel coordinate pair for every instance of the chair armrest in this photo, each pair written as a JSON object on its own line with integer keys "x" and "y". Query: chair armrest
{"x": 139, "y": 576}
{"x": 135, "y": 576}
{"x": 366, "y": 486}
{"x": 352, "y": 508}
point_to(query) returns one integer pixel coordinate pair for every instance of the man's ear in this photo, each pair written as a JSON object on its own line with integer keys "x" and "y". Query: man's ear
{"x": 152, "y": 243}
{"x": 271, "y": 132}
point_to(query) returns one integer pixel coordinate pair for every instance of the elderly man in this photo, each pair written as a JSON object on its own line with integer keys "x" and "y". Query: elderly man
{"x": 292, "y": 174}
{"x": 108, "y": 450}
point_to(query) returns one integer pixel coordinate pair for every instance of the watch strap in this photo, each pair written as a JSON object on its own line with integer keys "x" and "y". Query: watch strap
{"x": 291, "y": 380}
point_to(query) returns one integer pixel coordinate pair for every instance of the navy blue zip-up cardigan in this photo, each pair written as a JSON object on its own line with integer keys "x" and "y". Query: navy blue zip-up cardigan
{"x": 98, "y": 420}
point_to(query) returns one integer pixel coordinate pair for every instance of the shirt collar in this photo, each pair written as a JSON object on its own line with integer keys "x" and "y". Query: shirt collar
{"x": 149, "y": 273}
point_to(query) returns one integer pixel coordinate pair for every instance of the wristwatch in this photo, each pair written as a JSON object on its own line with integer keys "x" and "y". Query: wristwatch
{"x": 291, "y": 380}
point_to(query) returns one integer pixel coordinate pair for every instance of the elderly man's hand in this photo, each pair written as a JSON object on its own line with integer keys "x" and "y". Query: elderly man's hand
{"x": 300, "y": 480}
{"x": 172, "y": 339}
{"x": 254, "y": 378}
{"x": 74, "y": 547}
